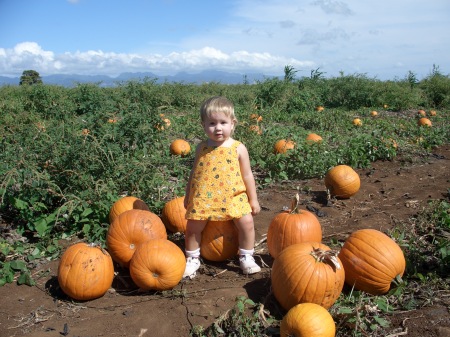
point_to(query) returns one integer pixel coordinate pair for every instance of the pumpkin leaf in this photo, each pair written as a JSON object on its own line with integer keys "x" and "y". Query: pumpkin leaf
{"x": 25, "y": 278}
{"x": 381, "y": 321}
{"x": 18, "y": 265}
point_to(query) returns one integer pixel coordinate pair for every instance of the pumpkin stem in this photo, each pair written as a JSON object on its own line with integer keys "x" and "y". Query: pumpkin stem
{"x": 295, "y": 204}
{"x": 326, "y": 256}
{"x": 99, "y": 246}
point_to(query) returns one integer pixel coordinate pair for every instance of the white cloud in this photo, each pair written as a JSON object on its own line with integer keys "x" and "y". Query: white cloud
{"x": 29, "y": 55}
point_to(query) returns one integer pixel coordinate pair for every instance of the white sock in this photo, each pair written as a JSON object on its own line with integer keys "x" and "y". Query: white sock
{"x": 246, "y": 251}
{"x": 193, "y": 253}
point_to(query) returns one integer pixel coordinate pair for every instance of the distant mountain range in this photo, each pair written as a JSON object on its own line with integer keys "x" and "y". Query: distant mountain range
{"x": 107, "y": 81}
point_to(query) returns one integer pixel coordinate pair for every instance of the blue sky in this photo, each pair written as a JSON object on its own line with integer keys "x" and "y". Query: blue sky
{"x": 383, "y": 39}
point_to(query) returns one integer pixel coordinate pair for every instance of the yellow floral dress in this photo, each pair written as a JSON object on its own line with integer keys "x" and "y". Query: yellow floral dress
{"x": 217, "y": 191}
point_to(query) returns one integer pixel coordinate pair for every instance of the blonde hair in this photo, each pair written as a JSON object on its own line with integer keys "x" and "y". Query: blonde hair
{"x": 218, "y": 104}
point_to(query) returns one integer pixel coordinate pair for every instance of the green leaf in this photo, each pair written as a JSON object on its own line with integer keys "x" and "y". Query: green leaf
{"x": 86, "y": 212}
{"x": 25, "y": 278}
{"x": 20, "y": 204}
{"x": 18, "y": 265}
{"x": 41, "y": 226}
{"x": 345, "y": 310}
{"x": 381, "y": 321}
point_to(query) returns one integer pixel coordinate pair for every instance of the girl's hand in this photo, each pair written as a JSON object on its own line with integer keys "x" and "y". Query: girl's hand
{"x": 256, "y": 208}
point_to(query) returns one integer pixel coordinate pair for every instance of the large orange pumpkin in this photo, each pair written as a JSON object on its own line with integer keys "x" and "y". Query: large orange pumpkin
{"x": 220, "y": 241}
{"x": 130, "y": 229}
{"x": 85, "y": 271}
{"x": 371, "y": 260}
{"x": 290, "y": 227}
{"x": 125, "y": 204}
{"x": 342, "y": 181}
{"x": 307, "y": 320}
{"x": 283, "y": 145}
{"x": 173, "y": 215}
{"x": 157, "y": 265}
{"x": 307, "y": 272}
{"x": 180, "y": 147}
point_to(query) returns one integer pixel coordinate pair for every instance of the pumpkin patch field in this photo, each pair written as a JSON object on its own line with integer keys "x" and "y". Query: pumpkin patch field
{"x": 353, "y": 236}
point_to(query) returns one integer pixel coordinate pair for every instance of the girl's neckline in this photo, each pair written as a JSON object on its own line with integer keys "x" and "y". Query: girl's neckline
{"x": 232, "y": 141}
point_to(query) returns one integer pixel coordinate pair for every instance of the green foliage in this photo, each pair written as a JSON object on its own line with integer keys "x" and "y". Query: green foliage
{"x": 66, "y": 154}
{"x": 436, "y": 88}
{"x": 244, "y": 319}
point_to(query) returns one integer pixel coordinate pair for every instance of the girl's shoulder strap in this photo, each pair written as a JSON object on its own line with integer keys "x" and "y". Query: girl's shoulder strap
{"x": 236, "y": 143}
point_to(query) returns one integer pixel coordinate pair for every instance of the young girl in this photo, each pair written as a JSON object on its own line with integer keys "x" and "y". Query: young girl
{"x": 221, "y": 186}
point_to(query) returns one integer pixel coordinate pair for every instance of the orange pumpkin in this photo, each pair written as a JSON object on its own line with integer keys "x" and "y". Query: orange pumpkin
{"x": 307, "y": 320}
{"x": 173, "y": 215}
{"x": 371, "y": 260}
{"x": 283, "y": 145}
{"x": 342, "y": 181}
{"x": 291, "y": 227}
{"x": 219, "y": 241}
{"x": 374, "y": 113}
{"x": 256, "y": 117}
{"x": 313, "y": 138}
{"x": 85, "y": 271}
{"x": 256, "y": 129}
{"x": 357, "y": 122}
{"x": 421, "y": 112}
{"x": 319, "y": 108}
{"x": 180, "y": 147}
{"x": 307, "y": 272}
{"x": 432, "y": 112}
{"x": 125, "y": 204}
{"x": 130, "y": 229}
{"x": 157, "y": 265}
{"x": 424, "y": 122}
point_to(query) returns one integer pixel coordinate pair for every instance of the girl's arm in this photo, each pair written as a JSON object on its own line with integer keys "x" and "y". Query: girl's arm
{"x": 188, "y": 185}
{"x": 248, "y": 178}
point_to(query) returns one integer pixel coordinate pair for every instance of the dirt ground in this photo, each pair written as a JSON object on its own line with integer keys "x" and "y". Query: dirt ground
{"x": 390, "y": 191}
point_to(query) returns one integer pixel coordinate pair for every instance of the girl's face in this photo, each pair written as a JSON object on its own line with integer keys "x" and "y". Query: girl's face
{"x": 218, "y": 127}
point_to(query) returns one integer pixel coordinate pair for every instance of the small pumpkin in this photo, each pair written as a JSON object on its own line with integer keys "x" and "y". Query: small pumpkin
{"x": 256, "y": 129}
{"x": 219, "y": 241}
{"x": 421, "y": 112}
{"x": 283, "y": 145}
{"x": 374, "y": 113}
{"x": 424, "y": 122}
{"x": 85, "y": 271}
{"x": 173, "y": 215}
{"x": 320, "y": 108}
{"x": 307, "y": 272}
{"x": 180, "y": 147}
{"x": 372, "y": 260}
{"x": 313, "y": 138}
{"x": 385, "y": 106}
{"x": 291, "y": 227}
{"x": 256, "y": 117}
{"x": 130, "y": 229}
{"x": 342, "y": 181}
{"x": 157, "y": 265}
{"x": 357, "y": 122}
{"x": 85, "y": 132}
{"x": 432, "y": 112}
{"x": 307, "y": 320}
{"x": 125, "y": 204}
